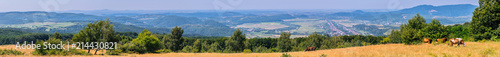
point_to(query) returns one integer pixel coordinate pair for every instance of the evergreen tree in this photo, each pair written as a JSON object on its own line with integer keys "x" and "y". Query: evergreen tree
{"x": 284, "y": 43}
{"x": 486, "y": 17}
{"x": 57, "y": 35}
{"x": 215, "y": 47}
{"x": 435, "y": 30}
{"x": 395, "y": 36}
{"x": 410, "y": 33}
{"x": 235, "y": 42}
{"x": 174, "y": 40}
{"x": 316, "y": 39}
{"x": 197, "y": 46}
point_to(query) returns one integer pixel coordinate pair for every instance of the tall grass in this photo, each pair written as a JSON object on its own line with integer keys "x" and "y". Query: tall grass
{"x": 10, "y": 52}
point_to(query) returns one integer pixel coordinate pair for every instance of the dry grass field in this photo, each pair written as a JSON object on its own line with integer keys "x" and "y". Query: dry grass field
{"x": 472, "y": 49}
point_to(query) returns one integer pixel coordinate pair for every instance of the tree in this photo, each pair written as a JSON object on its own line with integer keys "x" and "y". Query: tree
{"x": 316, "y": 39}
{"x": 174, "y": 40}
{"x": 99, "y": 31}
{"x": 187, "y": 49}
{"x": 460, "y": 31}
{"x": 43, "y": 51}
{"x": 215, "y": 47}
{"x": 486, "y": 17}
{"x": 417, "y": 22}
{"x": 205, "y": 46}
{"x": 395, "y": 36}
{"x": 145, "y": 42}
{"x": 410, "y": 32}
{"x": 435, "y": 30}
{"x": 235, "y": 42}
{"x": 57, "y": 35}
{"x": 284, "y": 43}
{"x": 197, "y": 46}
{"x": 495, "y": 34}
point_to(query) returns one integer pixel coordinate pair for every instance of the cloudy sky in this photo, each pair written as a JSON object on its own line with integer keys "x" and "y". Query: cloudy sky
{"x": 62, "y": 5}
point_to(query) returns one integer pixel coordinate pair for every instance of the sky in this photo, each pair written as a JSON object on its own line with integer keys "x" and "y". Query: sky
{"x": 63, "y": 5}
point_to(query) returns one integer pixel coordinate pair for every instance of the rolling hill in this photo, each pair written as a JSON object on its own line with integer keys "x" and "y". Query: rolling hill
{"x": 206, "y": 23}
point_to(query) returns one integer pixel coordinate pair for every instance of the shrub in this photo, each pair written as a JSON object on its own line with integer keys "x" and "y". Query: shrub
{"x": 145, "y": 42}
{"x": 247, "y": 51}
{"x": 10, "y": 52}
{"x": 74, "y": 51}
{"x": 487, "y": 52}
{"x": 42, "y": 51}
{"x": 114, "y": 52}
{"x": 262, "y": 49}
{"x": 386, "y": 40}
{"x": 323, "y": 55}
{"x": 163, "y": 51}
{"x": 228, "y": 51}
{"x": 187, "y": 49}
{"x": 286, "y": 55}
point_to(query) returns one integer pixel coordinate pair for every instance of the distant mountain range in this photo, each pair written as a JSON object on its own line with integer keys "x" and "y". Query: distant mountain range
{"x": 206, "y": 23}
{"x": 445, "y": 10}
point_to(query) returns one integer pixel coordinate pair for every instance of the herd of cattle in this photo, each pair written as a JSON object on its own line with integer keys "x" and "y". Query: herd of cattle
{"x": 453, "y": 41}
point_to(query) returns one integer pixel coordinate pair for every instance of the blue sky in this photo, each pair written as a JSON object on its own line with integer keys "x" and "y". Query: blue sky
{"x": 62, "y": 5}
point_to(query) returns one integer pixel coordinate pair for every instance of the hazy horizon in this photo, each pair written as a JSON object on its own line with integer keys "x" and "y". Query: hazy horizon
{"x": 65, "y": 5}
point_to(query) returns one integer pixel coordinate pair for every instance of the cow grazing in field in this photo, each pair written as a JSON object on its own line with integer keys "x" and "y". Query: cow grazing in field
{"x": 457, "y": 41}
{"x": 427, "y": 40}
{"x": 310, "y": 49}
{"x": 442, "y": 40}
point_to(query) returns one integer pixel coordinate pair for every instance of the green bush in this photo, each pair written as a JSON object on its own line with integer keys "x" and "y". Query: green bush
{"x": 262, "y": 49}
{"x": 487, "y": 52}
{"x": 286, "y": 55}
{"x": 10, "y": 52}
{"x": 42, "y": 51}
{"x": 74, "y": 51}
{"x": 386, "y": 40}
{"x": 323, "y": 55}
{"x": 163, "y": 51}
{"x": 144, "y": 43}
{"x": 187, "y": 49}
{"x": 247, "y": 51}
{"x": 114, "y": 52}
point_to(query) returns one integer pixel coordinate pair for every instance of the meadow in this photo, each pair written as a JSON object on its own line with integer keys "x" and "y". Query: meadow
{"x": 472, "y": 49}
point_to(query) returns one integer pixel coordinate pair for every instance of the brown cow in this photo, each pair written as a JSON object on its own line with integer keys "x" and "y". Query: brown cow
{"x": 457, "y": 41}
{"x": 442, "y": 40}
{"x": 310, "y": 49}
{"x": 427, "y": 40}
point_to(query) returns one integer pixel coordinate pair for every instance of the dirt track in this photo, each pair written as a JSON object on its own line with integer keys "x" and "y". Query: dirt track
{"x": 472, "y": 49}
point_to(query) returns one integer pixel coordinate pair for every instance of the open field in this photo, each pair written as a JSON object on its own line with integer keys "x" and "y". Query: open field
{"x": 36, "y": 25}
{"x": 308, "y": 26}
{"x": 472, "y": 49}
{"x": 264, "y": 25}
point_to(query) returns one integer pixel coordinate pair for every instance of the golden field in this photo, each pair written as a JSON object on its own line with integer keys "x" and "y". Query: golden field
{"x": 472, "y": 49}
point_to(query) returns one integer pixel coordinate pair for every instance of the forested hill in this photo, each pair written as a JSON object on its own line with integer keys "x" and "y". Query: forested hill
{"x": 265, "y": 23}
{"x": 50, "y": 22}
{"x": 445, "y": 10}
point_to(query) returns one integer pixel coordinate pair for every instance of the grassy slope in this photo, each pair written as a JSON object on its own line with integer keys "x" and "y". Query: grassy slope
{"x": 472, "y": 49}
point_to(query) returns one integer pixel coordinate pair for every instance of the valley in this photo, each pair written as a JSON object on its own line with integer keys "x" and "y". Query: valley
{"x": 205, "y": 23}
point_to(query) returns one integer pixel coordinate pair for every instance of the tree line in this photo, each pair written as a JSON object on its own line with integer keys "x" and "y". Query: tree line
{"x": 147, "y": 42}
{"x": 484, "y": 26}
